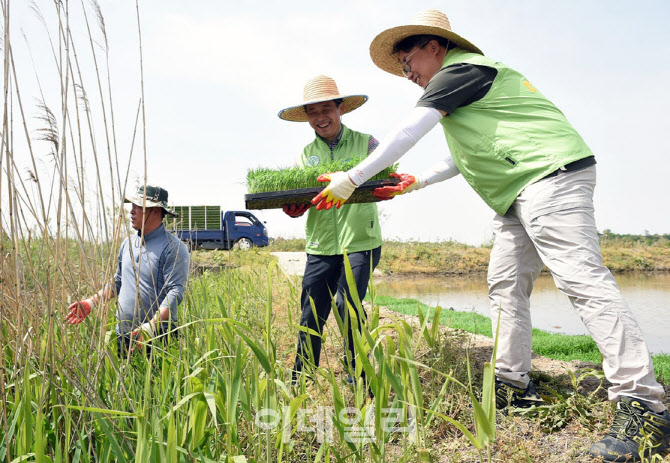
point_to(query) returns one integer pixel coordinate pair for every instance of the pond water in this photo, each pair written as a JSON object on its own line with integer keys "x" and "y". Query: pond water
{"x": 648, "y": 296}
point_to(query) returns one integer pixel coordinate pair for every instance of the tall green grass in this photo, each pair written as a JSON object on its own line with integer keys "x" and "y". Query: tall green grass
{"x": 200, "y": 396}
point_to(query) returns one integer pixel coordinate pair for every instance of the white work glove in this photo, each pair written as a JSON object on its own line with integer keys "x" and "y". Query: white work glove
{"x": 144, "y": 333}
{"x": 147, "y": 329}
{"x": 336, "y": 193}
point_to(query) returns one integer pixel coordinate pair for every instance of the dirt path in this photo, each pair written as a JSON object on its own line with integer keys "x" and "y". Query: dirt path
{"x": 293, "y": 263}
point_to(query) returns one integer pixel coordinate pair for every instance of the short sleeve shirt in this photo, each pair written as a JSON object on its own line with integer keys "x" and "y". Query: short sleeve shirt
{"x": 457, "y": 85}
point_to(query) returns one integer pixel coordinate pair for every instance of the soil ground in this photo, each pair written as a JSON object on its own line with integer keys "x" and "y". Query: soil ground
{"x": 569, "y": 444}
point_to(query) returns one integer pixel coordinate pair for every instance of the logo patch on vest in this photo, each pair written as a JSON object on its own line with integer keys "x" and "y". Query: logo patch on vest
{"x": 529, "y": 86}
{"x": 313, "y": 160}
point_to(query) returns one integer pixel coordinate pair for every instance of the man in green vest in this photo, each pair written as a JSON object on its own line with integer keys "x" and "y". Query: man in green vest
{"x": 353, "y": 228}
{"x": 522, "y": 156}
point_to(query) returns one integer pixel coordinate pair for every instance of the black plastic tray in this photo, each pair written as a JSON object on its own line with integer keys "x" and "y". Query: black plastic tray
{"x": 277, "y": 199}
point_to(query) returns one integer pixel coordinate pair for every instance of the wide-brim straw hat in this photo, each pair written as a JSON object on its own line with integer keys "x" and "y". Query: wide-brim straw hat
{"x": 151, "y": 196}
{"x": 430, "y": 22}
{"x": 317, "y": 90}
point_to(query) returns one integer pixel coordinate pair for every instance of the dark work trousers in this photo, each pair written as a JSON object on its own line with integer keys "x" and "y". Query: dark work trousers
{"x": 325, "y": 275}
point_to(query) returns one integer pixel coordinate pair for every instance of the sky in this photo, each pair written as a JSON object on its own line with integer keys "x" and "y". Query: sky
{"x": 216, "y": 73}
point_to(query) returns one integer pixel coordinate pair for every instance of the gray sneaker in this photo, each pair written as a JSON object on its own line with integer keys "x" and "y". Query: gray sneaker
{"x": 512, "y": 396}
{"x": 634, "y": 426}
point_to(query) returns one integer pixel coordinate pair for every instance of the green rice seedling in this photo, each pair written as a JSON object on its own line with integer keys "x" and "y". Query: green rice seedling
{"x": 262, "y": 180}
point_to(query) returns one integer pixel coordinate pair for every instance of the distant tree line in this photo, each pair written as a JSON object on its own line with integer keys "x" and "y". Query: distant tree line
{"x": 609, "y": 237}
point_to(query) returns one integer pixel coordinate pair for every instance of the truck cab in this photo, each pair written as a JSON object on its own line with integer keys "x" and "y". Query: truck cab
{"x": 244, "y": 229}
{"x": 208, "y": 227}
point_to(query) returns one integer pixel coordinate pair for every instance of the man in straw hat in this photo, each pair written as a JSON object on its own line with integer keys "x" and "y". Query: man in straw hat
{"x": 150, "y": 276}
{"x": 354, "y": 228}
{"x": 522, "y": 156}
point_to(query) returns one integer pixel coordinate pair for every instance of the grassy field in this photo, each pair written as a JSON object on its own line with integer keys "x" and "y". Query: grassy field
{"x": 221, "y": 392}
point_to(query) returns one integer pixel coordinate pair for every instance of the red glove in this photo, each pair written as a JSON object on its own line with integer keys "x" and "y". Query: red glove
{"x": 336, "y": 193}
{"x": 296, "y": 210}
{"x": 407, "y": 183}
{"x": 78, "y": 311}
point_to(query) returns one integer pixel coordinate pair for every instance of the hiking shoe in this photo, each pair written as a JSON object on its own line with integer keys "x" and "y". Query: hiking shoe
{"x": 636, "y": 433}
{"x": 512, "y": 396}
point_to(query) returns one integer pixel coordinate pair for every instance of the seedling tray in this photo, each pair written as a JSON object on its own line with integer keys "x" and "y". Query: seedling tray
{"x": 277, "y": 199}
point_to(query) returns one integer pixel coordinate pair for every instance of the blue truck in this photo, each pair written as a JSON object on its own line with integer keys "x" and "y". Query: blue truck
{"x": 208, "y": 227}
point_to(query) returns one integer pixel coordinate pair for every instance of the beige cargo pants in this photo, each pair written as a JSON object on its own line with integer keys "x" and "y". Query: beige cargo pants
{"x": 552, "y": 223}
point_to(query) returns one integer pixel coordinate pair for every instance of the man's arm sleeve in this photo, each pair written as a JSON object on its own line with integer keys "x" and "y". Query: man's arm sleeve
{"x": 119, "y": 266}
{"x": 417, "y": 123}
{"x": 441, "y": 171}
{"x": 175, "y": 271}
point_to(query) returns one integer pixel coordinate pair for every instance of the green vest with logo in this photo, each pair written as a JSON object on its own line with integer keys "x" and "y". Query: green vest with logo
{"x": 512, "y": 137}
{"x": 354, "y": 226}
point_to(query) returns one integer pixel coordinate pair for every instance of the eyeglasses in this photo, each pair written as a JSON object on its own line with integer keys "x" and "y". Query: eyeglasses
{"x": 406, "y": 68}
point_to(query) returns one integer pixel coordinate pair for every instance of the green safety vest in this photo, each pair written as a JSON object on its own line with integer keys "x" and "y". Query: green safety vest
{"x": 510, "y": 138}
{"x": 354, "y": 226}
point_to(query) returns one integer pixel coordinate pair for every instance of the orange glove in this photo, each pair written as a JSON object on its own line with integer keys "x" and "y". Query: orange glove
{"x": 296, "y": 210}
{"x": 79, "y": 310}
{"x": 407, "y": 184}
{"x": 336, "y": 193}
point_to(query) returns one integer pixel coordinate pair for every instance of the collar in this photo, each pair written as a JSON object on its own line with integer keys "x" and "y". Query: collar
{"x": 153, "y": 234}
{"x": 335, "y": 141}
{"x": 454, "y": 55}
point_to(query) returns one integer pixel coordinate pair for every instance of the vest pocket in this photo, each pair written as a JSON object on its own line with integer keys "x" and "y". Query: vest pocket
{"x": 501, "y": 153}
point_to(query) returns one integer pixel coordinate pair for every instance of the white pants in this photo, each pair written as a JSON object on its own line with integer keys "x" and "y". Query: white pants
{"x": 552, "y": 223}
